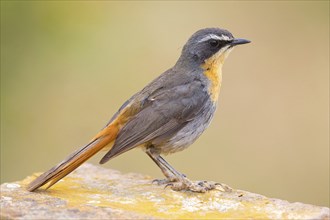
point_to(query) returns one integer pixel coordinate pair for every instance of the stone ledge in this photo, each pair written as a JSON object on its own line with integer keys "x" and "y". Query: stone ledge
{"x": 93, "y": 192}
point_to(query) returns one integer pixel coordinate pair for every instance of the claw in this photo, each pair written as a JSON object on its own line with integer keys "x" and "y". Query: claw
{"x": 224, "y": 187}
{"x": 163, "y": 181}
{"x": 201, "y": 183}
{"x": 160, "y": 182}
{"x": 167, "y": 185}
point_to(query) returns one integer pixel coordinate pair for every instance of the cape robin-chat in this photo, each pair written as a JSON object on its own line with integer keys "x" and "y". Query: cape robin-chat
{"x": 166, "y": 116}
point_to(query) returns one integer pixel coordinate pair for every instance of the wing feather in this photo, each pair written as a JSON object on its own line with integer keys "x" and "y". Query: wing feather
{"x": 166, "y": 112}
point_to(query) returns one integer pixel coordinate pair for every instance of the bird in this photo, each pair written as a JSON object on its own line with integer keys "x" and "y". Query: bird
{"x": 166, "y": 116}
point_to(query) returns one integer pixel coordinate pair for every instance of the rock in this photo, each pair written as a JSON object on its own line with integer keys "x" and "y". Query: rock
{"x": 92, "y": 192}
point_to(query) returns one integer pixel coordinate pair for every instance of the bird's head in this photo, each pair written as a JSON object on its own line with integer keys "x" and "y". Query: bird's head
{"x": 209, "y": 45}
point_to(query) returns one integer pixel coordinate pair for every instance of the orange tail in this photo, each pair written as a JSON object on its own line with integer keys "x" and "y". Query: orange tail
{"x": 52, "y": 176}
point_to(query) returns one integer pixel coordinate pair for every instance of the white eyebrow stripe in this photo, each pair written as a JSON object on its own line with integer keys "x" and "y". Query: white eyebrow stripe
{"x": 215, "y": 37}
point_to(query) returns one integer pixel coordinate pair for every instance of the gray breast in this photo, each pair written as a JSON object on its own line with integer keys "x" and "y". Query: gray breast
{"x": 190, "y": 132}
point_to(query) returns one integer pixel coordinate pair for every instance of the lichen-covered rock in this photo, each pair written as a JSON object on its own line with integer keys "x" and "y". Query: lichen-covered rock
{"x": 92, "y": 192}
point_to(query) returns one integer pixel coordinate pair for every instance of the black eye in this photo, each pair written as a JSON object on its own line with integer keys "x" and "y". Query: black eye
{"x": 214, "y": 43}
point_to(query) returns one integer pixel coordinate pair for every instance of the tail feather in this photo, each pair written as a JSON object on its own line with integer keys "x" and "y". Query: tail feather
{"x": 73, "y": 161}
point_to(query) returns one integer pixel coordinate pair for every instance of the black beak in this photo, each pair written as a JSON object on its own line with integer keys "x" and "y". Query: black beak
{"x": 238, "y": 41}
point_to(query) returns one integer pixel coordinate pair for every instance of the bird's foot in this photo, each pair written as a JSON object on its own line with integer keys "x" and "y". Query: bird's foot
{"x": 168, "y": 180}
{"x": 223, "y": 187}
{"x": 162, "y": 181}
{"x": 197, "y": 186}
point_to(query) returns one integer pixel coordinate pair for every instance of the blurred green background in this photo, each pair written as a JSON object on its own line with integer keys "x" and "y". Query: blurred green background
{"x": 66, "y": 67}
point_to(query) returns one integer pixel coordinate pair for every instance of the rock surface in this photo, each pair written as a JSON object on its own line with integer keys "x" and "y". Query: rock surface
{"x": 92, "y": 192}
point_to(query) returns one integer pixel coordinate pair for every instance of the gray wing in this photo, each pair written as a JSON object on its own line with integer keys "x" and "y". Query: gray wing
{"x": 163, "y": 113}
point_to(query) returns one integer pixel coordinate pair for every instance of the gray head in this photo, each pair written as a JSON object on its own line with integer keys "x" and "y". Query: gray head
{"x": 208, "y": 42}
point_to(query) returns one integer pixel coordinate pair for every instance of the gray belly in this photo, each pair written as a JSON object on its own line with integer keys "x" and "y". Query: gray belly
{"x": 190, "y": 133}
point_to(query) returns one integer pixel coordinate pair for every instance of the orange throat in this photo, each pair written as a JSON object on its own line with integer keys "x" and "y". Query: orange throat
{"x": 213, "y": 71}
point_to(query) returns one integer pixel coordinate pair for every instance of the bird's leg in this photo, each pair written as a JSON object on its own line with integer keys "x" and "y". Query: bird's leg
{"x": 170, "y": 177}
{"x": 178, "y": 181}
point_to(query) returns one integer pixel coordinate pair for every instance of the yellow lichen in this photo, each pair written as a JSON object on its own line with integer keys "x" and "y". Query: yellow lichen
{"x": 92, "y": 188}
{"x": 172, "y": 204}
